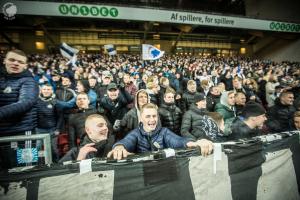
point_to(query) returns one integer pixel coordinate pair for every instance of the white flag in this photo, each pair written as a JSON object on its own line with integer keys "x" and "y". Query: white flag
{"x": 69, "y": 53}
{"x": 151, "y": 53}
{"x": 110, "y": 49}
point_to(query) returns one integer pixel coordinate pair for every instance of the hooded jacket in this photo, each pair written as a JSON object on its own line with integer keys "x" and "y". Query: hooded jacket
{"x": 227, "y": 111}
{"x": 18, "y": 98}
{"x": 131, "y": 119}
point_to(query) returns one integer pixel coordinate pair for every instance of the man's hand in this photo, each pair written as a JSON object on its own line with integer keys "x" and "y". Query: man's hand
{"x": 85, "y": 150}
{"x": 118, "y": 152}
{"x": 205, "y": 145}
{"x": 117, "y": 124}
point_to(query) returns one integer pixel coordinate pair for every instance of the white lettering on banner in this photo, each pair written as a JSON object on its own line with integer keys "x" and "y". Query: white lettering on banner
{"x": 142, "y": 14}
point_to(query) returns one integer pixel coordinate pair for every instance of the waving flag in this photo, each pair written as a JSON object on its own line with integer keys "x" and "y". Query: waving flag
{"x": 110, "y": 49}
{"x": 151, "y": 53}
{"x": 69, "y": 52}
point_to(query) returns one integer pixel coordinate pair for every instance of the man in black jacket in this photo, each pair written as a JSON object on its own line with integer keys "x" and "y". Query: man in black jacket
{"x": 77, "y": 119}
{"x": 280, "y": 116}
{"x": 97, "y": 142}
{"x": 114, "y": 105}
{"x": 18, "y": 97}
{"x": 213, "y": 97}
{"x": 249, "y": 123}
{"x": 170, "y": 114}
{"x": 47, "y": 121}
{"x": 196, "y": 124}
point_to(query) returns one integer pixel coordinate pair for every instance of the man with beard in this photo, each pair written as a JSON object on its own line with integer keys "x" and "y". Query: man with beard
{"x": 151, "y": 137}
{"x": 170, "y": 114}
{"x": 97, "y": 142}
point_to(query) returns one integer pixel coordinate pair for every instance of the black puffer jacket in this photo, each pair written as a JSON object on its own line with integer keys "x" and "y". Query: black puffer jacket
{"x": 187, "y": 100}
{"x": 103, "y": 147}
{"x": 18, "y": 98}
{"x": 197, "y": 125}
{"x": 240, "y": 130}
{"x": 47, "y": 113}
{"x": 77, "y": 125}
{"x": 170, "y": 117}
{"x": 211, "y": 101}
{"x": 280, "y": 117}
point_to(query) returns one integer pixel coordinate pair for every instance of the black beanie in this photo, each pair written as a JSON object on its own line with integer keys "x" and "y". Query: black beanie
{"x": 199, "y": 97}
{"x": 253, "y": 109}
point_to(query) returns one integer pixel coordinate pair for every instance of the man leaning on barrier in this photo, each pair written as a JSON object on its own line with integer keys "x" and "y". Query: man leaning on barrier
{"x": 97, "y": 142}
{"x": 151, "y": 137}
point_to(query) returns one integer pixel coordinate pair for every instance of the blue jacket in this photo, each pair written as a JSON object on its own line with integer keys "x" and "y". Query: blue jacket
{"x": 18, "y": 98}
{"x": 139, "y": 141}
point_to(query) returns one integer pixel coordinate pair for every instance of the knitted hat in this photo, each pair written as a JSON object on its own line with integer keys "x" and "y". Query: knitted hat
{"x": 253, "y": 109}
{"x": 199, "y": 97}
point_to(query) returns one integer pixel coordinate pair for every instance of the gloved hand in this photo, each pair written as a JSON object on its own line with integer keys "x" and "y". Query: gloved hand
{"x": 117, "y": 124}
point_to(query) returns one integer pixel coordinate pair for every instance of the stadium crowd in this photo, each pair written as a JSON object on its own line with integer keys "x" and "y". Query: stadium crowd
{"x": 118, "y": 105}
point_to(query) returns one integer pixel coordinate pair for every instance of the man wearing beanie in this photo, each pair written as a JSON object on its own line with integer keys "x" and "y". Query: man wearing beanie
{"x": 249, "y": 123}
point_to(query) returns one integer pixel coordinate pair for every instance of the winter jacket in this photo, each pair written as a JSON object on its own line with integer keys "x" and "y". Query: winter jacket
{"x": 115, "y": 109}
{"x": 187, "y": 100}
{"x": 197, "y": 125}
{"x": 47, "y": 113}
{"x": 170, "y": 116}
{"x": 240, "y": 130}
{"x": 77, "y": 125}
{"x": 103, "y": 147}
{"x": 280, "y": 117}
{"x": 211, "y": 101}
{"x": 140, "y": 141}
{"x": 18, "y": 98}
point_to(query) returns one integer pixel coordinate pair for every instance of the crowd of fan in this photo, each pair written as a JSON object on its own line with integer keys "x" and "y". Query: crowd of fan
{"x": 213, "y": 98}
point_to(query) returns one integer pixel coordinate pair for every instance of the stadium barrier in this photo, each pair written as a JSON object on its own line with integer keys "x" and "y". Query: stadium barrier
{"x": 262, "y": 168}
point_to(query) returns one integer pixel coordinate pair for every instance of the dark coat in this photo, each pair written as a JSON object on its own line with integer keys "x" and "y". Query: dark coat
{"x": 187, "y": 100}
{"x": 18, "y": 98}
{"x": 212, "y": 101}
{"x": 170, "y": 117}
{"x": 77, "y": 125}
{"x": 103, "y": 147}
{"x": 47, "y": 113}
{"x": 280, "y": 117}
{"x": 197, "y": 125}
{"x": 115, "y": 109}
{"x": 240, "y": 130}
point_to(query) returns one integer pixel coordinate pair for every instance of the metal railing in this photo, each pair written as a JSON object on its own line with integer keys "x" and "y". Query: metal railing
{"x": 44, "y": 137}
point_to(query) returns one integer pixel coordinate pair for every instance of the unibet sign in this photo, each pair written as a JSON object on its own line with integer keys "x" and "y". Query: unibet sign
{"x": 279, "y": 26}
{"x": 86, "y": 10}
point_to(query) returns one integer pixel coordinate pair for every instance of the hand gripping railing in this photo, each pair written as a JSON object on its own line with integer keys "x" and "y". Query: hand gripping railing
{"x": 44, "y": 137}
